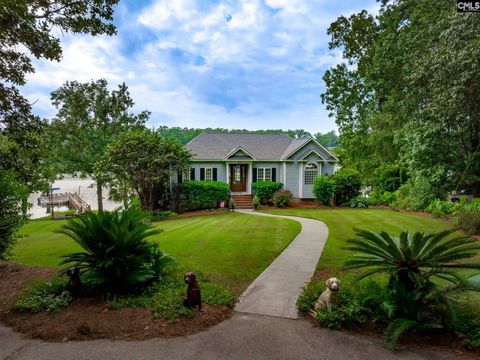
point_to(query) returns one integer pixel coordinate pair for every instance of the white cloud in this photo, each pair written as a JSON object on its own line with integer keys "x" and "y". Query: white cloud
{"x": 234, "y": 63}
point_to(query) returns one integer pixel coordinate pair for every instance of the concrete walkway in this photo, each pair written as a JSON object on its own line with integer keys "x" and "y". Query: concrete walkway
{"x": 275, "y": 291}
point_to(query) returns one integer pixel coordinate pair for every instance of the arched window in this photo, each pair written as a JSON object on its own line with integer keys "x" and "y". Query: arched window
{"x": 311, "y": 173}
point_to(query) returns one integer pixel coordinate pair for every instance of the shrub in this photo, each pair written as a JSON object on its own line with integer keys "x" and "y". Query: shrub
{"x": 282, "y": 198}
{"x": 204, "y": 194}
{"x": 388, "y": 178}
{"x": 309, "y": 295}
{"x": 471, "y": 329}
{"x": 257, "y": 204}
{"x": 44, "y": 295}
{"x": 468, "y": 219}
{"x": 160, "y": 215}
{"x": 265, "y": 189}
{"x": 324, "y": 189}
{"x": 421, "y": 194}
{"x": 415, "y": 263}
{"x": 439, "y": 207}
{"x": 348, "y": 185}
{"x": 346, "y": 312}
{"x": 116, "y": 257}
{"x": 358, "y": 202}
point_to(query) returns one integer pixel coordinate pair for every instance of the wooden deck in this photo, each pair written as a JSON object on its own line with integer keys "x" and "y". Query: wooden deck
{"x": 72, "y": 200}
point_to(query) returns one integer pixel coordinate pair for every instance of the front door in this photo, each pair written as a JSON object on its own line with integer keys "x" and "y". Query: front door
{"x": 238, "y": 178}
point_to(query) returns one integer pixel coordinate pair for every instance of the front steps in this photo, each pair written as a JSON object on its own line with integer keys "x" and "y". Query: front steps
{"x": 243, "y": 201}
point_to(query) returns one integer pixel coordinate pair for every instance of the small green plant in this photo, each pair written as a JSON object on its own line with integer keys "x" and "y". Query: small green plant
{"x": 346, "y": 312}
{"x": 265, "y": 190}
{"x": 117, "y": 257}
{"x": 282, "y": 198}
{"x": 44, "y": 295}
{"x": 440, "y": 208}
{"x": 359, "y": 202}
{"x": 324, "y": 189}
{"x": 159, "y": 215}
{"x": 309, "y": 295}
{"x": 257, "y": 204}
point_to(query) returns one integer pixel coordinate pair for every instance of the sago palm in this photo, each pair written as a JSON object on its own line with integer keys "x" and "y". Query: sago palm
{"x": 116, "y": 256}
{"x": 414, "y": 300}
{"x": 410, "y": 255}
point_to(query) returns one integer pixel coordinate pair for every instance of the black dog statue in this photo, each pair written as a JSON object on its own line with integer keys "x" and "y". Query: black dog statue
{"x": 74, "y": 285}
{"x": 194, "y": 297}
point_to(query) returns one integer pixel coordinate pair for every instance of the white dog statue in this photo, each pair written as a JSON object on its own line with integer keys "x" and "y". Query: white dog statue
{"x": 326, "y": 297}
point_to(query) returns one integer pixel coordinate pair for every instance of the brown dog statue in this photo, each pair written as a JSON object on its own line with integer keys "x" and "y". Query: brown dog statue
{"x": 194, "y": 297}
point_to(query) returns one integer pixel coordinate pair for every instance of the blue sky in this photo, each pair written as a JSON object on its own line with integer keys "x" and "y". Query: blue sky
{"x": 253, "y": 64}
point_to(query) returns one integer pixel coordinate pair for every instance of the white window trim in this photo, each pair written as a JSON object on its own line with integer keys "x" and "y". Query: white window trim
{"x": 263, "y": 177}
{"x": 211, "y": 174}
{"x": 305, "y": 172}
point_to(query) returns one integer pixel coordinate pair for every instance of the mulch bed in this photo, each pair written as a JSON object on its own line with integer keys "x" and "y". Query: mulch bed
{"x": 87, "y": 319}
{"x": 433, "y": 339}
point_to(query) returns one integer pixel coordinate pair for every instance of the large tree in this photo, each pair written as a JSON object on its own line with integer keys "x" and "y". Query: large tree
{"x": 146, "y": 161}
{"x": 89, "y": 117}
{"x": 406, "y": 91}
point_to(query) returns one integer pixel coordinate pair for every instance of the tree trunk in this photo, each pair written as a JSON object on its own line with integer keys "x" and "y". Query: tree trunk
{"x": 99, "y": 196}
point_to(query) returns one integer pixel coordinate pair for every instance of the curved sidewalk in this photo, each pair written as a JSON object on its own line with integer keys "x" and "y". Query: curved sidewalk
{"x": 275, "y": 291}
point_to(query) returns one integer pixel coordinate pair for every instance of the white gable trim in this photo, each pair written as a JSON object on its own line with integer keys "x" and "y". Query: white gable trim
{"x": 308, "y": 142}
{"x": 308, "y": 154}
{"x": 237, "y": 149}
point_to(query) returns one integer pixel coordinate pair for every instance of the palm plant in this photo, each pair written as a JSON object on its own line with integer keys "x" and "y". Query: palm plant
{"x": 423, "y": 276}
{"x": 116, "y": 256}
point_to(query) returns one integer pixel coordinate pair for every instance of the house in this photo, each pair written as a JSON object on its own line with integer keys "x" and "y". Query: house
{"x": 241, "y": 159}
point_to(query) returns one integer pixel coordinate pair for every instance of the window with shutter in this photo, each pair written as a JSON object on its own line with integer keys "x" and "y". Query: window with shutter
{"x": 208, "y": 174}
{"x": 264, "y": 174}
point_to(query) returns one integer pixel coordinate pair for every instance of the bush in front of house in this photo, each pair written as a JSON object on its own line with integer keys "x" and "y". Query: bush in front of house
{"x": 204, "y": 194}
{"x": 324, "y": 189}
{"x": 117, "y": 256}
{"x": 265, "y": 190}
{"x": 376, "y": 198}
{"x": 348, "y": 184}
{"x": 282, "y": 198}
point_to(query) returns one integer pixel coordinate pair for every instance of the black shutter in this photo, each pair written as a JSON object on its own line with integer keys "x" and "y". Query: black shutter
{"x": 202, "y": 174}
{"x": 179, "y": 176}
{"x": 254, "y": 174}
{"x": 192, "y": 173}
{"x": 214, "y": 176}
{"x": 274, "y": 174}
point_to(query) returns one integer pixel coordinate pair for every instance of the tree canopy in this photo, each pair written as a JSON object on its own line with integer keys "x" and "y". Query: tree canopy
{"x": 405, "y": 93}
{"x": 90, "y": 117}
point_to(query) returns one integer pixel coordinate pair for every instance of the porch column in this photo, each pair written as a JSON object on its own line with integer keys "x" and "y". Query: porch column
{"x": 250, "y": 178}
{"x": 227, "y": 173}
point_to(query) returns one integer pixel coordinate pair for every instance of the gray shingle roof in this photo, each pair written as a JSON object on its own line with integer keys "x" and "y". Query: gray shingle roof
{"x": 215, "y": 146}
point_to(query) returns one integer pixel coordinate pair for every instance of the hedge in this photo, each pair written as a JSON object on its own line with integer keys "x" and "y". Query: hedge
{"x": 265, "y": 189}
{"x": 204, "y": 194}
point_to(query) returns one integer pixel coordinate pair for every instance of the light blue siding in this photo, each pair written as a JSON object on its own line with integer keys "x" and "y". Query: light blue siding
{"x": 292, "y": 178}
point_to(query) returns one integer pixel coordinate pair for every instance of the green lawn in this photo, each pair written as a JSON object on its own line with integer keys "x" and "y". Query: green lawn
{"x": 234, "y": 248}
{"x": 341, "y": 223}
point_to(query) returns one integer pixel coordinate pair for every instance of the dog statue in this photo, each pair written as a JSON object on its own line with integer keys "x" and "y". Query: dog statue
{"x": 326, "y": 297}
{"x": 74, "y": 285}
{"x": 194, "y": 297}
